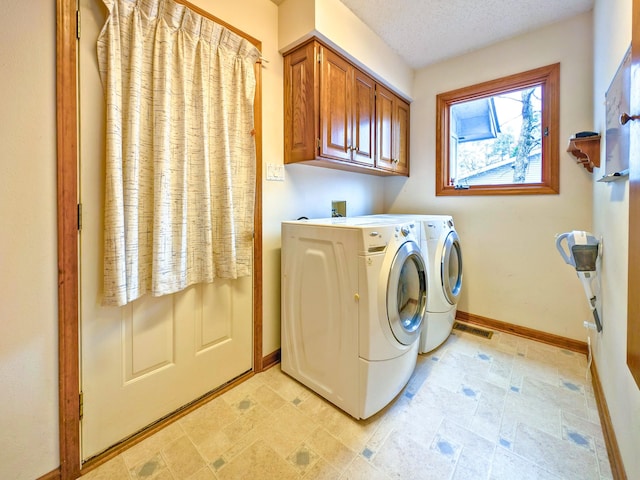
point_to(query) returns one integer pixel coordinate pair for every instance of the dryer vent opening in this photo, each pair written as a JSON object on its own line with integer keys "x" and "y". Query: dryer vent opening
{"x": 463, "y": 327}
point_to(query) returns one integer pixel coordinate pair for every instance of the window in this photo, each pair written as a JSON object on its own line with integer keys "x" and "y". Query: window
{"x": 500, "y": 137}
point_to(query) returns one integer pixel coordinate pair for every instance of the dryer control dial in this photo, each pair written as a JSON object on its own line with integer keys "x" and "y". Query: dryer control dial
{"x": 405, "y": 231}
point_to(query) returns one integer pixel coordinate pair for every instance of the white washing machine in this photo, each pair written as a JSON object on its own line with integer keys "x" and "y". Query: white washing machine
{"x": 354, "y": 295}
{"x": 440, "y": 246}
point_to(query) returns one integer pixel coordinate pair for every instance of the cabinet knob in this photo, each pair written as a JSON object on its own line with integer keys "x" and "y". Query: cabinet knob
{"x": 625, "y": 117}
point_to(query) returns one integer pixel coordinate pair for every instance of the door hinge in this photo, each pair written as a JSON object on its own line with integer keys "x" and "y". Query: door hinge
{"x": 79, "y": 216}
{"x": 320, "y": 57}
{"x": 78, "y": 24}
{"x": 318, "y": 144}
{"x": 81, "y": 405}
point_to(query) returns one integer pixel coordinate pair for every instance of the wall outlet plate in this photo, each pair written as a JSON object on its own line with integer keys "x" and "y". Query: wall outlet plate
{"x": 339, "y": 208}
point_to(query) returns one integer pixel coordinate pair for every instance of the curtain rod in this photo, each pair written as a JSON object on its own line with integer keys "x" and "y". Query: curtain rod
{"x": 257, "y": 43}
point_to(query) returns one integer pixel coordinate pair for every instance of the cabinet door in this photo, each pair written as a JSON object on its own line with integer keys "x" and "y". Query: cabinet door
{"x": 363, "y": 132}
{"x": 300, "y": 104}
{"x": 392, "y": 130}
{"x": 385, "y": 147}
{"x": 335, "y": 106}
{"x": 401, "y": 134}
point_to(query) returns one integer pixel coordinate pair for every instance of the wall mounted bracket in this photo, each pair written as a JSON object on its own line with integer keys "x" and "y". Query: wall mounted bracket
{"x": 586, "y": 151}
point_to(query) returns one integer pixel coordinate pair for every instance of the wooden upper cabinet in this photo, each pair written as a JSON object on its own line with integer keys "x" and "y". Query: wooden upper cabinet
{"x": 330, "y": 113}
{"x": 300, "y": 104}
{"x": 385, "y": 151}
{"x": 402, "y": 135}
{"x": 335, "y": 106}
{"x": 392, "y": 127}
{"x": 347, "y": 110}
{"x": 364, "y": 114}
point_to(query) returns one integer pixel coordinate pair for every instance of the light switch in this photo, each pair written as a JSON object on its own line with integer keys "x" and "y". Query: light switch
{"x": 275, "y": 172}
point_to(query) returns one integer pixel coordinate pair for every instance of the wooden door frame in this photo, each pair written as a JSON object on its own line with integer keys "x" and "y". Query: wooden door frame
{"x": 67, "y": 217}
{"x": 633, "y": 300}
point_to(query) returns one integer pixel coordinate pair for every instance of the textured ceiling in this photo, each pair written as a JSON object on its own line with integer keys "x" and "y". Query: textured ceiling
{"x": 427, "y": 31}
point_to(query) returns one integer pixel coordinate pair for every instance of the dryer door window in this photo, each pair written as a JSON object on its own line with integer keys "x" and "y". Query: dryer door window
{"x": 407, "y": 293}
{"x": 451, "y": 268}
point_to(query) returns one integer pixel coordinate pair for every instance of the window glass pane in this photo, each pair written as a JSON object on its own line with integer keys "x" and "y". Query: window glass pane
{"x": 497, "y": 140}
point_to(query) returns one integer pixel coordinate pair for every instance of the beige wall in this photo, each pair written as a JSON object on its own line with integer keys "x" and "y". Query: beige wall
{"x": 612, "y": 35}
{"x": 512, "y": 271}
{"x": 28, "y": 255}
{"x": 534, "y": 289}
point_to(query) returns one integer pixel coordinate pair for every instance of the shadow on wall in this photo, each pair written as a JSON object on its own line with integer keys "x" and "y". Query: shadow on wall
{"x": 310, "y": 192}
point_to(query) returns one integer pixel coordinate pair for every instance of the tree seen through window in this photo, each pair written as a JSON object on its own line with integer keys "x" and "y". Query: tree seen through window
{"x": 511, "y": 153}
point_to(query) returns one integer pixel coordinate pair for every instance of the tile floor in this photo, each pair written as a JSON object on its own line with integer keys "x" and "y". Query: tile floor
{"x": 505, "y": 408}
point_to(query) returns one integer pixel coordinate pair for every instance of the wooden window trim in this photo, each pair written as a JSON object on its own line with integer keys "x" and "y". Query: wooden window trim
{"x": 549, "y": 78}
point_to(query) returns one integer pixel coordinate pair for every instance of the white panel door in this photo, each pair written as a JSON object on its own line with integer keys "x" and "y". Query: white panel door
{"x": 142, "y": 361}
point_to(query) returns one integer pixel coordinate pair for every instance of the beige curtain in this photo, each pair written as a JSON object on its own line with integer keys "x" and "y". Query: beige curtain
{"x": 180, "y": 151}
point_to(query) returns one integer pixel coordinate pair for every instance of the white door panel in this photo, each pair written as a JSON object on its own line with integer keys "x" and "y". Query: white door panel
{"x": 147, "y": 336}
{"x": 143, "y": 361}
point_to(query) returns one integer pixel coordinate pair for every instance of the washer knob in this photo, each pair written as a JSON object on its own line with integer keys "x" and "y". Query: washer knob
{"x": 405, "y": 231}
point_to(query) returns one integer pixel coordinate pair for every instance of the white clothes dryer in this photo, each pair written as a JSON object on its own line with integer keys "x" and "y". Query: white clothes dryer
{"x": 445, "y": 278}
{"x": 354, "y": 295}
{"x": 440, "y": 246}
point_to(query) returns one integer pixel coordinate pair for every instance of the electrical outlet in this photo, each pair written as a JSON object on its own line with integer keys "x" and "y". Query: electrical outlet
{"x": 339, "y": 208}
